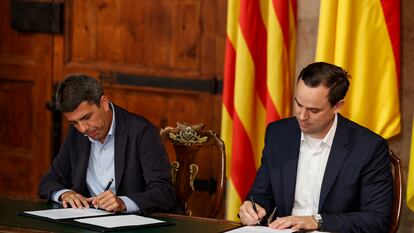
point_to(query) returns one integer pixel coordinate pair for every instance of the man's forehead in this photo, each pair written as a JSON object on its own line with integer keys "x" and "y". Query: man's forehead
{"x": 83, "y": 109}
{"x": 312, "y": 97}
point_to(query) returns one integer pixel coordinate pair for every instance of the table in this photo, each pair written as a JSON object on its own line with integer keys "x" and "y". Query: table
{"x": 11, "y": 222}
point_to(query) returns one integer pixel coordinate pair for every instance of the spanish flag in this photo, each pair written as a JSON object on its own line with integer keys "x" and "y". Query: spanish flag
{"x": 410, "y": 178}
{"x": 363, "y": 37}
{"x": 258, "y": 80}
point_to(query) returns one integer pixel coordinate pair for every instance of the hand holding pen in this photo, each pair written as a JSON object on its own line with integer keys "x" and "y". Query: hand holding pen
{"x": 255, "y": 208}
{"x": 251, "y": 214}
{"x": 105, "y": 200}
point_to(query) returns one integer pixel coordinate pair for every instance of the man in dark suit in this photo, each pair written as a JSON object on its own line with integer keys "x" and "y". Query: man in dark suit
{"x": 321, "y": 171}
{"x": 111, "y": 158}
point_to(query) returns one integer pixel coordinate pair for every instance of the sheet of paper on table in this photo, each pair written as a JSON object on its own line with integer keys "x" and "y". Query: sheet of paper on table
{"x": 259, "y": 229}
{"x": 119, "y": 221}
{"x": 67, "y": 213}
{"x": 262, "y": 229}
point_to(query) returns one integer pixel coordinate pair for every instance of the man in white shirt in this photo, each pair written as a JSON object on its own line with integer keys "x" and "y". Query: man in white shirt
{"x": 111, "y": 158}
{"x": 321, "y": 171}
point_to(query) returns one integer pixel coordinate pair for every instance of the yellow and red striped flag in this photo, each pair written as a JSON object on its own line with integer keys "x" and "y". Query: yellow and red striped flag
{"x": 259, "y": 70}
{"x": 363, "y": 37}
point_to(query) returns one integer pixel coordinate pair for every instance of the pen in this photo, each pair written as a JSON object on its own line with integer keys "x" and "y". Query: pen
{"x": 254, "y": 207}
{"x": 109, "y": 184}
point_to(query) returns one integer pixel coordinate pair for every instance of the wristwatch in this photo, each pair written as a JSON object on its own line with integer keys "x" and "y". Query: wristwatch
{"x": 318, "y": 220}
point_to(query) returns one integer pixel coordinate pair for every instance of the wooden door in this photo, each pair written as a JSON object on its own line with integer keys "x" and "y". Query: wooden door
{"x": 25, "y": 88}
{"x": 161, "y": 59}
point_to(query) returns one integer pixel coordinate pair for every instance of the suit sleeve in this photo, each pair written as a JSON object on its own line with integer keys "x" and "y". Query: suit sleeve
{"x": 261, "y": 189}
{"x": 376, "y": 195}
{"x": 159, "y": 191}
{"x": 58, "y": 175}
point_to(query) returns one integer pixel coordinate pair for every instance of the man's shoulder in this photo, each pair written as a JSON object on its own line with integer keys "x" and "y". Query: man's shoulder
{"x": 286, "y": 123}
{"x": 356, "y": 129}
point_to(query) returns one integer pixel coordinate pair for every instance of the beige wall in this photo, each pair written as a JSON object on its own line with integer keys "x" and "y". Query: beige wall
{"x": 308, "y": 11}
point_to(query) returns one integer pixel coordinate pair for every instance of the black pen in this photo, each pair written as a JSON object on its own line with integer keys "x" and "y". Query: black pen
{"x": 109, "y": 184}
{"x": 254, "y": 208}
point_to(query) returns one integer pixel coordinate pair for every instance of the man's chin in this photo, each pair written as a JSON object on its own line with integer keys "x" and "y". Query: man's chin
{"x": 94, "y": 137}
{"x": 304, "y": 129}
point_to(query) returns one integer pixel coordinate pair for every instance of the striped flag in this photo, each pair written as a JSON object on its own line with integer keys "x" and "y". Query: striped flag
{"x": 259, "y": 73}
{"x": 410, "y": 178}
{"x": 363, "y": 37}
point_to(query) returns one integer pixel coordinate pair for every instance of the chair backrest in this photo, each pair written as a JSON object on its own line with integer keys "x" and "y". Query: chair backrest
{"x": 396, "y": 210}
{"x": 187, "y": 140}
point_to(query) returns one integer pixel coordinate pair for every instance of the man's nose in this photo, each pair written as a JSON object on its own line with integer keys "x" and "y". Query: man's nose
{"x": 303, "y": 114}
{"x": 82, "y": 127}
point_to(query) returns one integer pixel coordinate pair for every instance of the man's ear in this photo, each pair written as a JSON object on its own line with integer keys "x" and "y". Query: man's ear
{"x": 105, "y": 102}
{"x": 338, "y": 106}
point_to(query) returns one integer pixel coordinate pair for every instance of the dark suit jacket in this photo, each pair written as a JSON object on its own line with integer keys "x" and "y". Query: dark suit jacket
{"x": 357, "y": 187}
{"x": 142, "y": 169}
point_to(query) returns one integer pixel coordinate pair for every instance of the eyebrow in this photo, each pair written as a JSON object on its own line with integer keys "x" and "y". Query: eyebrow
{"x": 82, "y": 118}
{"x": 311, "y": 109}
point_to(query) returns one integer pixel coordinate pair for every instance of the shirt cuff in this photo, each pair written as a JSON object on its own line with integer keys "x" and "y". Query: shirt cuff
{"x": 131, "y": 207}
{"x": 56, "y": 195}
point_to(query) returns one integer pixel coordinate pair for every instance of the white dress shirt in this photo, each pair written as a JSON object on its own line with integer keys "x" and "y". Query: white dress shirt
{"x": 313, "y": 157}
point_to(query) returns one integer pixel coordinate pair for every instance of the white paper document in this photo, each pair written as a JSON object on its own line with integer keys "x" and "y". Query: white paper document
{"x": 67, "y": 213}
{"x": 119, "y": 221}
{"x": 259, "y": 229}
{"x": 262, "y": 229}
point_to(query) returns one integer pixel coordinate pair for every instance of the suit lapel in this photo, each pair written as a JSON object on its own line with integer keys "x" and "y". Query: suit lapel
{"x": 290, "y": 167}
{"x": 121, "y": 138}
{"x": 336, "y": 159}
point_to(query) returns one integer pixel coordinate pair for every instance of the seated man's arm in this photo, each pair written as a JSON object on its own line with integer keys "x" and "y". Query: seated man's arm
{"x": 159, "y": 193}
{"x": 376, "y": 197}
{"x": 58, "y": 176}
{"x": 130, "y": 205}
{"x": 261, "y": 191}
{"x": 56, "y": 184}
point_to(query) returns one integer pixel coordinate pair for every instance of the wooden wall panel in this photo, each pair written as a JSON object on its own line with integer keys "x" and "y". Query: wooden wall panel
{"x": 15, "y": 126}
{"x": 152, "y": 37}
{"x": 138, "y": 102}
{"x": 16, "y": 137}
{"x": 25, "y": 123}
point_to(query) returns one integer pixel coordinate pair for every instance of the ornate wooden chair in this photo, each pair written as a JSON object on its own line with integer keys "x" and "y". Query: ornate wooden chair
{"x": 187, "y": 140}
{"x": 396, "y": 210}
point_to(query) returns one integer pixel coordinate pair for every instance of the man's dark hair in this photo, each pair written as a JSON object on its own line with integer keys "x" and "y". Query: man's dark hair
{"x": 75, "y": 89}
{"x": 331, "y": 76}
